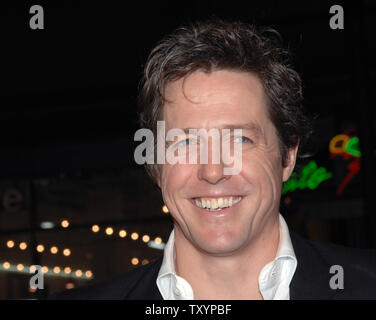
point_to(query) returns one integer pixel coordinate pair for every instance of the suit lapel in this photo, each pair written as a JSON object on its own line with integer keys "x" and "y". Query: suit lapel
{"x": 311, "y": 278}
{"x": 146, "y": 287}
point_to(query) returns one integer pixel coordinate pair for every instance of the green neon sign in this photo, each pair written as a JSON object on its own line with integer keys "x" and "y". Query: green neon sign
{"x": 352, "y": 147}
{"x": 310, "y": 177}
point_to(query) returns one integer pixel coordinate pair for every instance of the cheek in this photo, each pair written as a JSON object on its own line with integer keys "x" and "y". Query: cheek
{"x": 265, "y": 170}
{"x": 174, "y": 178}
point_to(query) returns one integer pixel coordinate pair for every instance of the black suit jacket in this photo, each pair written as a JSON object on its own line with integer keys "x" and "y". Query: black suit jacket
{"x": 310, "y": 281}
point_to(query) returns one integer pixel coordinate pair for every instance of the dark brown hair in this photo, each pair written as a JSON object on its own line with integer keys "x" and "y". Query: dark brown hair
{"x": 218, "y": 45}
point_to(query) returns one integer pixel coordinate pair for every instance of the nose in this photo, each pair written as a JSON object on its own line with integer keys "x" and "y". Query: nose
{"x": 212, "y": 171}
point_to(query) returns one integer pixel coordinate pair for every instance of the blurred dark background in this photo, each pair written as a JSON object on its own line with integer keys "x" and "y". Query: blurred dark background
{"x": 68, "y": 116}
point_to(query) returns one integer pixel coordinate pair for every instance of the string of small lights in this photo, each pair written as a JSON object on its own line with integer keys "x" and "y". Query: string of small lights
{"x": 157, "y": 243}
{"x": 40, "y": 248}
{"x": 135, "y": 261}
{"x": 55, "y": 271}
{"x": 122, "y": 233}
{"x": 67, "y": 272}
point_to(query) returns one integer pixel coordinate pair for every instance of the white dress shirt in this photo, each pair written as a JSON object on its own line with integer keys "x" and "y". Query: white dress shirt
{"x": 274, "y": 279}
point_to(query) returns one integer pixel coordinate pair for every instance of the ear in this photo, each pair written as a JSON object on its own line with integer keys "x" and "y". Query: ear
{"x": 291, "y": 160}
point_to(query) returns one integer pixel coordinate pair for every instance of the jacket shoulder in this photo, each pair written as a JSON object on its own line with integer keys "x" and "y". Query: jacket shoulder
{"x": 355, "y": 258}
{"x": 357, "y": 266}
{"x": 116, "y": 288}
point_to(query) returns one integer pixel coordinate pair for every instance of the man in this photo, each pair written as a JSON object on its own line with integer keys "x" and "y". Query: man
{"x": 229, "y": 240}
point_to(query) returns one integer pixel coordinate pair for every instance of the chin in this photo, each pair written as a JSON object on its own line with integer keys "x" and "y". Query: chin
{"x": 220, "y": 245}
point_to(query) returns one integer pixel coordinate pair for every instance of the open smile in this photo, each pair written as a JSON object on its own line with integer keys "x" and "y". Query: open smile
{"x": 216, "y": 204}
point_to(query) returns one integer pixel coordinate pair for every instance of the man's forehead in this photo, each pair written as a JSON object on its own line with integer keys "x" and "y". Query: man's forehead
{"x": 229, "y": 100}
{"x": 217, "y": 86}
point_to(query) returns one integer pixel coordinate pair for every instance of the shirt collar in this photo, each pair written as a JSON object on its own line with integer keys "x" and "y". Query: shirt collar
{"x": 274, "y": 278}
{"x": 170, "y": 285}
{"x": 168, "y": 266}
{"x": 285, "y": 248}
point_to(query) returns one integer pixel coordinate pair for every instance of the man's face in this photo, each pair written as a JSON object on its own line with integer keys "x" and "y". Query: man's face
{"x": 223, "y": 99}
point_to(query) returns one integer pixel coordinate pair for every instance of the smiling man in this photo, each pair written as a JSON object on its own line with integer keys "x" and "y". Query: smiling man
{"x": 222, "y": 239}
{"x": 229, "y": 239}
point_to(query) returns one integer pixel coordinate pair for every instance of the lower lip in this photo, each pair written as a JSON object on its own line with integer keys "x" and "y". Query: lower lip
{"x": 219, "y": 213}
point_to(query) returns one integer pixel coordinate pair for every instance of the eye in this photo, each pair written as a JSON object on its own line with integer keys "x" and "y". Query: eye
{"x": 185, "y": 142}
{"x": 242, "y": 139}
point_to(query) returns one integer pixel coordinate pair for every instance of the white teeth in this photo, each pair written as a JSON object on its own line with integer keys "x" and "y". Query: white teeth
{"x": 215, "y": 204}
{"x": 236, "y": 200}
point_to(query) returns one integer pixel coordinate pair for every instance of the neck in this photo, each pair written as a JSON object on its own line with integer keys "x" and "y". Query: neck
{"x": 232, "y": 276}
